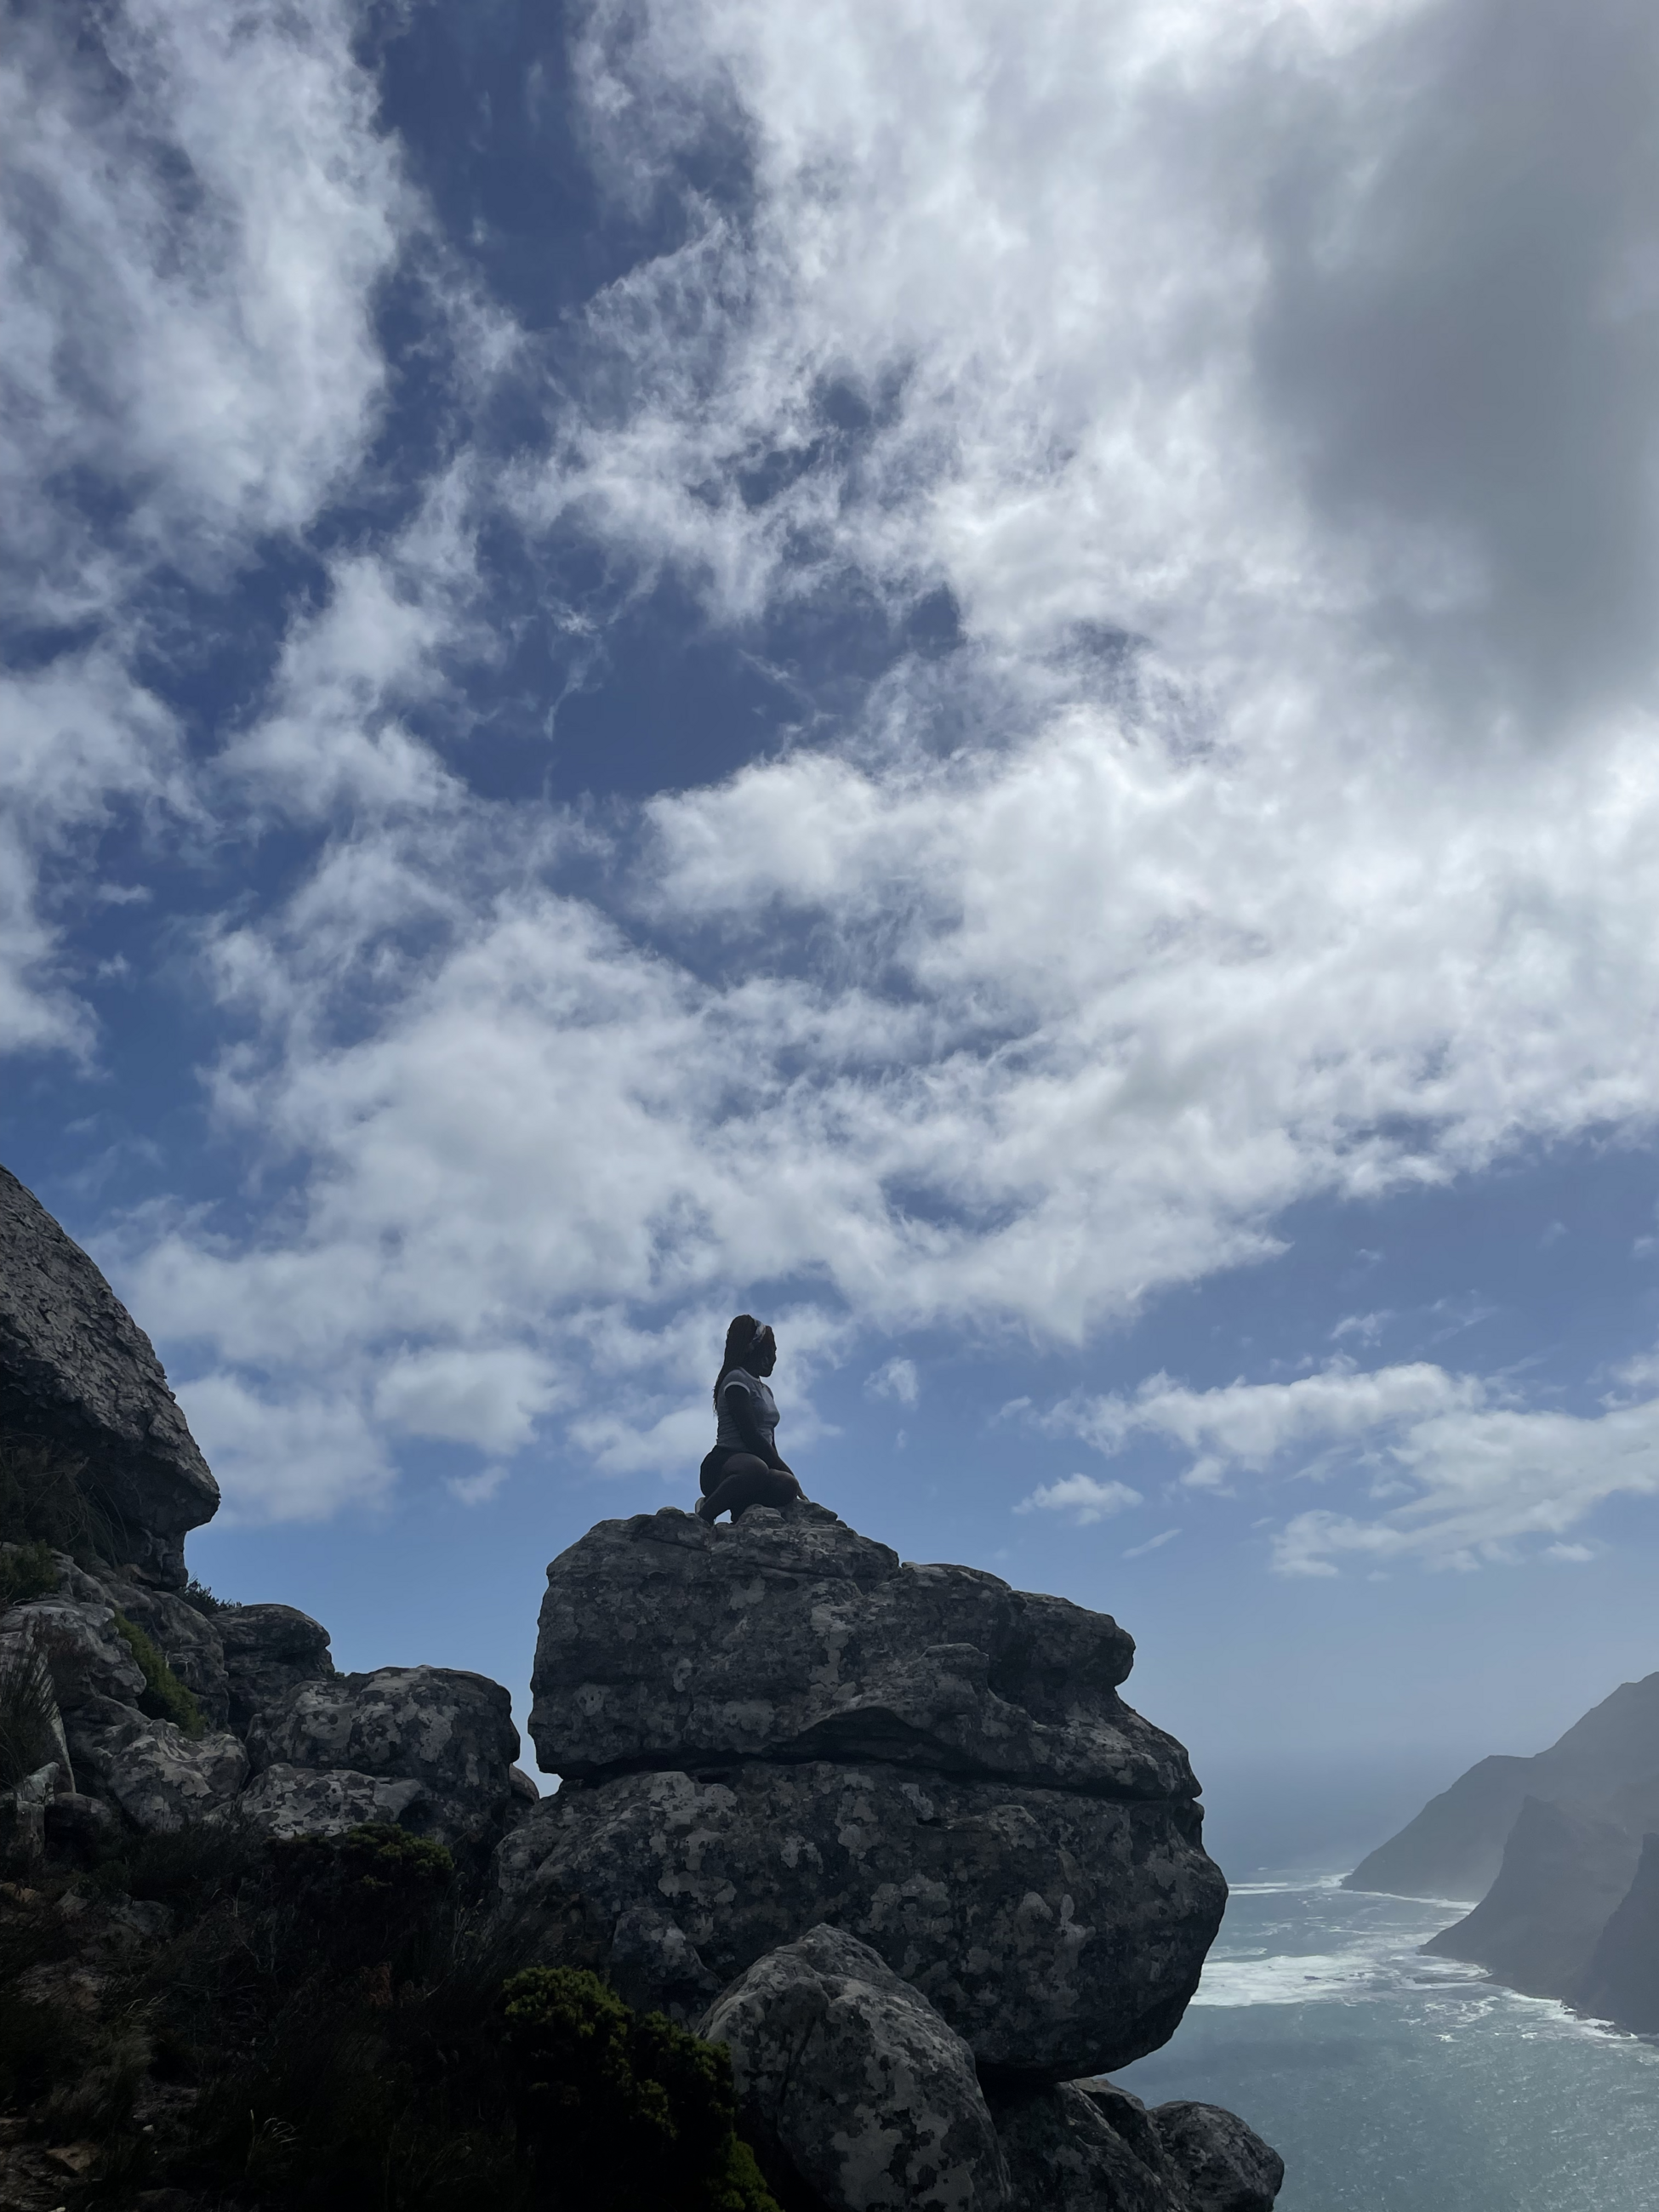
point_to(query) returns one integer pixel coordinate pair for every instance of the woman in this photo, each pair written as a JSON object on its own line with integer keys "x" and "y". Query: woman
{"x": 743, "y": 1468}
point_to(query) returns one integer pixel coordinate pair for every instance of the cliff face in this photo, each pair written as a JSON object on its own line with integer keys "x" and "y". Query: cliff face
{"x": 1454, "y": 1846}
{"x": 1621, "y": 1981}
{"x": 78, "y": 1376}
{"x": 1564, "y": 1868}
{"x": 771, "y": 1724}
{"x": 1562, "y": 1913}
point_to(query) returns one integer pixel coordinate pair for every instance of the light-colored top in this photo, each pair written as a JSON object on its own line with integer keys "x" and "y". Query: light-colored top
{"x": 761, "y": 1409}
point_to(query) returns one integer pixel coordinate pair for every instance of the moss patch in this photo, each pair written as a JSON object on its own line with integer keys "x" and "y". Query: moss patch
{"x": 165, "y": 1697}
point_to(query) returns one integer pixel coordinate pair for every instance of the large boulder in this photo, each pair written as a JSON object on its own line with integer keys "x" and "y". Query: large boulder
{"x": 1222, "y": 2165}
{"x": 1060, "y": 1934}
{"x": 269, "y": 1650}
{"x": 665, "y": 1641}
{"x": 1091, "y": 2147}
{"x": 292, "y": 1801}
{"x": 451, "y": 1732}
{"x": 845, "y": 2071}
{"x": 78, "y": 1376}
{"x": 160, "y": 1778}
{"x": 1084, "y": 2147}
{"x": 85, "y": 1653}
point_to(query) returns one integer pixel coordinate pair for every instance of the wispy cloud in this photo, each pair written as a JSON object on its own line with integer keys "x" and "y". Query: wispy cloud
{"x": 1081, "y": 1496}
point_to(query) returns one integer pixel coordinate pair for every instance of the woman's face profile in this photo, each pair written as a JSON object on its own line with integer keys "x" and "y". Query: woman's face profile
{"x": 766, "y": 1354}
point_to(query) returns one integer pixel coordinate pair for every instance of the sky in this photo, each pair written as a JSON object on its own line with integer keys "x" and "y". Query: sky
{"x": 983, "y": 682}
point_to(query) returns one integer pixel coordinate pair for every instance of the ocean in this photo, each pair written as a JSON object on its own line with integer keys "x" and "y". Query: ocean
{"x": 1391, "y": 2083}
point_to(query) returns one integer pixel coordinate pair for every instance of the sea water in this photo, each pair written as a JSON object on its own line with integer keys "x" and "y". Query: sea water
{"x": 1393, "y": 2082}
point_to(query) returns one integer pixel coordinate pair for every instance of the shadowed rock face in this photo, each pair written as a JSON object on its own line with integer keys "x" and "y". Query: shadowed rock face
{"x": 1566, "y": 1868}
{"x": 842, "y": 2068}
{"x": 1621, "y": 1982}
{"x": 77, "y": 1372}
{"x": 1091, "y": 2147}
{"x": 1060, "y": 1934}
{"x": 269, "y": 1650}
{"x": 769, "y": 1725}
{"x": 664, "y": 1641}
{"x": 448, "y": 1731}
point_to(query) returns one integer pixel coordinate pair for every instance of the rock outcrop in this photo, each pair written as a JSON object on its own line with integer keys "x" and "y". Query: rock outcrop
{"x": 280, "y": 1742}
{"x": 887, "y": 1833}
{"x": 668, "y": 1645}
{"x": 79, "y": 1375}
{"x": 447, "y": 1733}
{"x": 269, "y": 1650}
{"x": 844, "y": 2072}
{"x": 775, "y": 1723}
{"x": 1091, "y": 2147}
{"x": 1454, "y": 1845}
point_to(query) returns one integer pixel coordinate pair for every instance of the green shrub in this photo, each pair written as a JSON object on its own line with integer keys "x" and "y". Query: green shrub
{"x": 622, "y": 2110}
{"x": 366, "y": 1896}
{"x": 201, "y": 1598}
{"x": 27, "y": 1710}
{"x": 27, "y": 1571}
{"x": 165, "y": 1697}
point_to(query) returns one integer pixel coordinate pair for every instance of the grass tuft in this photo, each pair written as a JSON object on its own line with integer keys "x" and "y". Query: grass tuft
{"x": 27, "y": 1710}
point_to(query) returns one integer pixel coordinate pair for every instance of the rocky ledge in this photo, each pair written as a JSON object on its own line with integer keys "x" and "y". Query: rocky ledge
{"x": 767, "y": 1725}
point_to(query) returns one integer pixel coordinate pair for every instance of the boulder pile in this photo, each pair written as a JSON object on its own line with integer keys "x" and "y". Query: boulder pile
{"x": 889, "y": 1833}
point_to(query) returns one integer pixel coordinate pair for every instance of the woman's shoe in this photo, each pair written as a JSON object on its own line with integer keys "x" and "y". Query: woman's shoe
{"x": 701, "y": 1509}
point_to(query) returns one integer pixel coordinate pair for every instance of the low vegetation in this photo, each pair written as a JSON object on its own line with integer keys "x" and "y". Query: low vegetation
{"x": 164, "y": 1697}
{"x": 43, "y": 1499}
{"x": 27, "y": 1571}
{"x": 326, "y": 2024}
{"x": 27, "y": 1739}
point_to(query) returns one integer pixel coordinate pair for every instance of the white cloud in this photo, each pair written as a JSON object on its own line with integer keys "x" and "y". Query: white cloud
{"x": 1463, "y": 1478}
{"x": 477, "y": 1489}
{"x": 1152, "y": 1544}
{"x": 490, "y": 1396}
{"x": 195, "y": 209}
{"x": 1049, "y": 977}
{"x": 1245, "y": 1426}
{"x": 897, "y": 1379}
{"x": 297, "y": 1457}
{"x": 1082, "y": 1497}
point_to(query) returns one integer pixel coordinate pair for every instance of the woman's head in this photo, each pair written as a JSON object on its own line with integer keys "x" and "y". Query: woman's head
{"x": 748, "y": 1342}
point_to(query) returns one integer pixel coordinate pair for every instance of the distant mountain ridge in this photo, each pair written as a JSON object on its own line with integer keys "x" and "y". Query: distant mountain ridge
{"x": 1454, "y": 1846}
{"x": 1562, "y": 1852}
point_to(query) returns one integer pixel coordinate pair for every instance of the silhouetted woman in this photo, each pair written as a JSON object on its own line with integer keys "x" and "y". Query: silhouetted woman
{"x": 743, "y": 1468}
